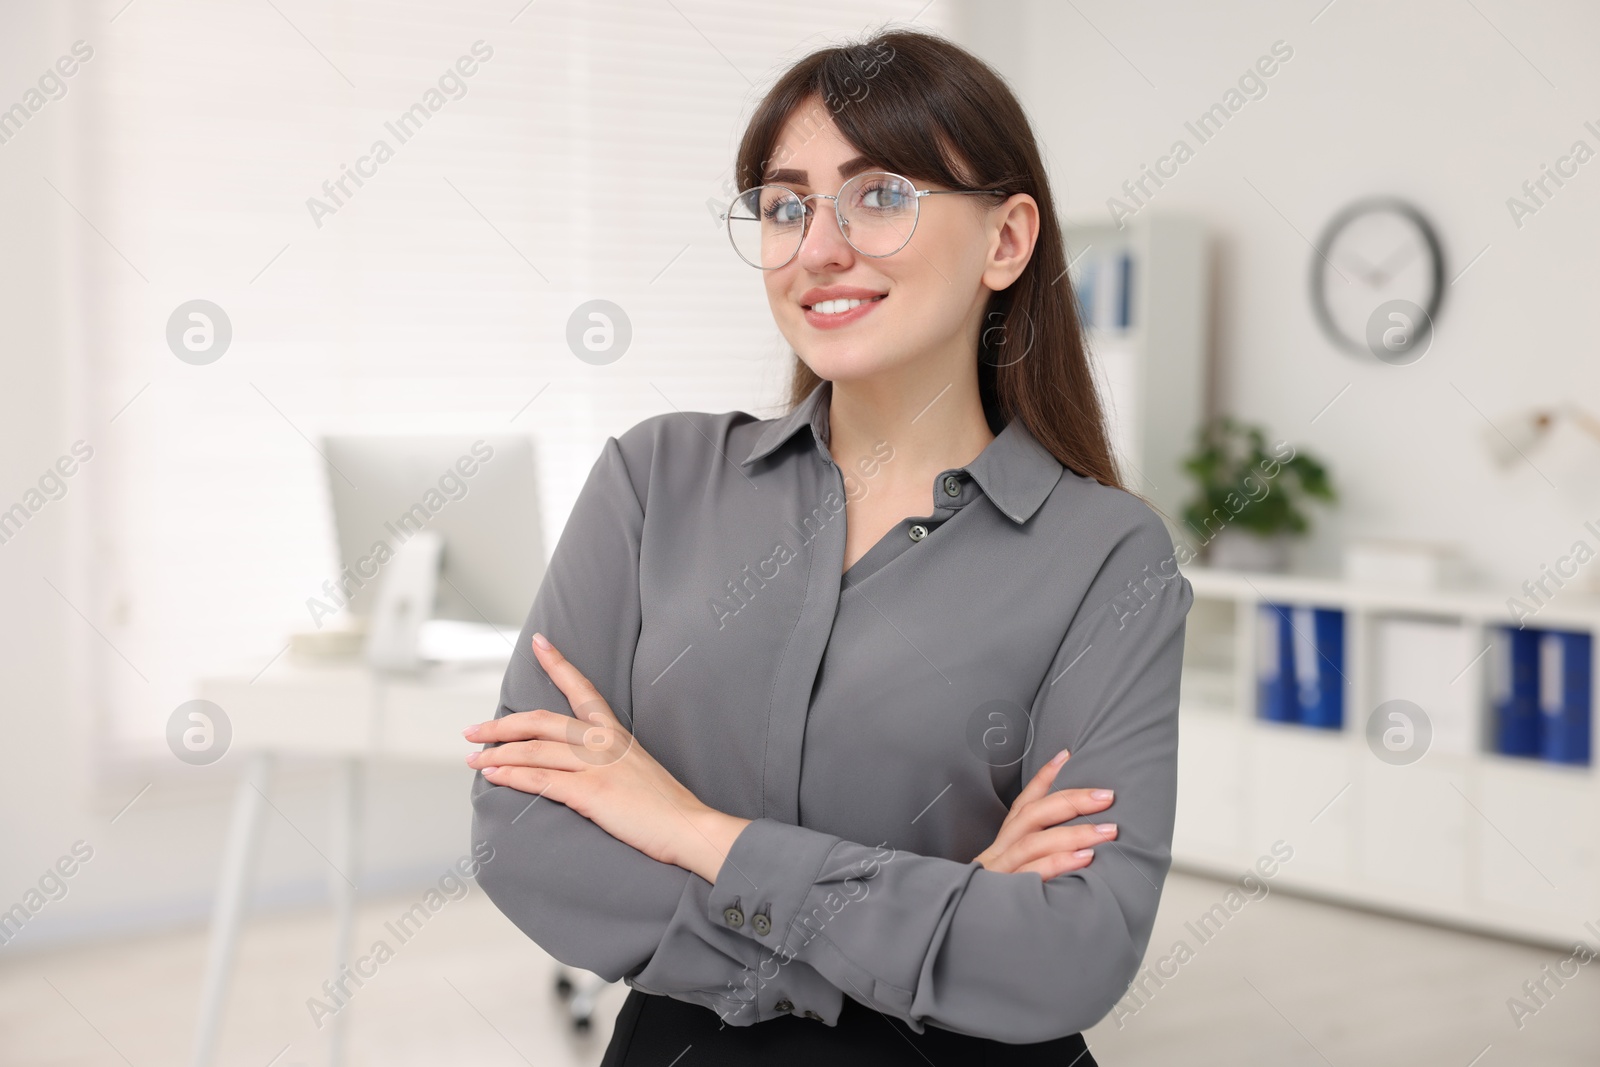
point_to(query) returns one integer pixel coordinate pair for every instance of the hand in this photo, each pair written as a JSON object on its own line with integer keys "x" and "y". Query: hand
{"x": 1030, "y": 839}
{"x": 593, "y": 765}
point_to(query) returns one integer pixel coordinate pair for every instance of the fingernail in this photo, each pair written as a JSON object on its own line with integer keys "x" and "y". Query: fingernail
{"x": 1101, "y": 794}
{"x": 1084, "y": 853}
{"x": 1060, "y": 757}
{"x": 1107, "y": 828}
{"x": 542, "y": 641}
{"x": 488, "y": 771}
{"x": 469, "y": 731}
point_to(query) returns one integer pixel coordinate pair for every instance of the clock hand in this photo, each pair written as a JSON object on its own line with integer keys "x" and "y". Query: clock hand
{"x": 1387, "y": 270}
{"x": 1361, "y": 267}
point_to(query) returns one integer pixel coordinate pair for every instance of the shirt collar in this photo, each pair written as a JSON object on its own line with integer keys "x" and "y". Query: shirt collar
{"x": 1014, "y": 470}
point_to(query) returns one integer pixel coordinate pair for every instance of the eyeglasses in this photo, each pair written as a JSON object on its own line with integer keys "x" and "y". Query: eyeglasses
{"x": 876, "y": 212}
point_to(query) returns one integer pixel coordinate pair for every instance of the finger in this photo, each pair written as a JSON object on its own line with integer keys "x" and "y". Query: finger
{"x": 551, "y": 755}
{"x": 1064, "y": 804}
{"x": 1057, "y": 839}
{"x": 1052, "y": 809}
{"x": 540, "y": 723}
{"x": 585, "y": 699}
{"x": 1041, "y": 782}
{"x": 559, "y": 742}
{"x": 1061, "y": 863}
{"x": 541, "y": 782}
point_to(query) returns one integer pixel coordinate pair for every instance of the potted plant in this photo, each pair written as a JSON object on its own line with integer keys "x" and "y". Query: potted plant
{"x": 1250, "y": 497}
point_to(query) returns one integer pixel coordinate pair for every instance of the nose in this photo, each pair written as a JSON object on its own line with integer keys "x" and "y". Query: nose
{"x": 824, "y": 248}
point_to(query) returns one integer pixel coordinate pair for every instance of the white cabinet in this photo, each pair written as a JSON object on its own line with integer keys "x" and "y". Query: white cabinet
{"x": 1461, "y": 835}
{"x": 1412, "y": 832}
{"x": 1293, "y": 773}
{"x": 1211, "y": 807}
{"x": 1535, "y": 847}
{"x": 1147, "y": 294}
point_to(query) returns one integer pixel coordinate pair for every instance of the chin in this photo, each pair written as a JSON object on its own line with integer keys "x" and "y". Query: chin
{"x": 840, "y": 361}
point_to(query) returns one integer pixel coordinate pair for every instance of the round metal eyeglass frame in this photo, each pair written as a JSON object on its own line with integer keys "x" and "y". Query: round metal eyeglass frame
{"x": 805, "y": 204}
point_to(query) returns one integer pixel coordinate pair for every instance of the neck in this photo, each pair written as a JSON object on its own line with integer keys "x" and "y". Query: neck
{"x": 932, "y": 422}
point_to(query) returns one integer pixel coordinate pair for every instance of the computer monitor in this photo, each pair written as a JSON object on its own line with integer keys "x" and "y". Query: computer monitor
{"x": 479, "y": 492}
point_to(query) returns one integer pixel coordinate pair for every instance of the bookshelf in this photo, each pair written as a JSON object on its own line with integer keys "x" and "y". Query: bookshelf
{"x": 1144, "y": 293}
{"x": 1462, "y": 836}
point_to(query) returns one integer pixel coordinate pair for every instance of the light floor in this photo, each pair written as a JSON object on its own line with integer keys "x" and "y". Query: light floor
{"x": 1287, "y": 982}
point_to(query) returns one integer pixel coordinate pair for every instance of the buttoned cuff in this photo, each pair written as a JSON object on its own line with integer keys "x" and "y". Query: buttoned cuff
{"x": 760, "y": 892}
{"x": 779, "y": 985}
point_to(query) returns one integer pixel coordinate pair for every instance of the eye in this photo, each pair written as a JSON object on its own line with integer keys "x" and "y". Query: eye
{"x": 883, "y": 195}
{"x": 781, "y": 210}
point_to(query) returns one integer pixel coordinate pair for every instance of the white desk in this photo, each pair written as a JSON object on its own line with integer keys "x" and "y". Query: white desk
{"x": 344, "y": 711}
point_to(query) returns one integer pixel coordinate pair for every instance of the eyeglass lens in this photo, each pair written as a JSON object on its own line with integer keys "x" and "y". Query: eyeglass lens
{"x": 876, "y": 213}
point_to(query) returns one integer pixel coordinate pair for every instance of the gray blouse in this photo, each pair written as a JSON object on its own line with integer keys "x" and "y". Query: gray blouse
{"x": 875, "y": 725}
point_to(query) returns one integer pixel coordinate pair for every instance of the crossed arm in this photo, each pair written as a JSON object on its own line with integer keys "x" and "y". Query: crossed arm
{"x": 609, "y": 864}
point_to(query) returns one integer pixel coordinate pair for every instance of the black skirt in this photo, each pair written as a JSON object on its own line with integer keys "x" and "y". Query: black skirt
{"x": 653, "y": 1031}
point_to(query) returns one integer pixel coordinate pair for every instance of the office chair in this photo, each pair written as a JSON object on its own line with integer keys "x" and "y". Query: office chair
{"x": 580, "y": 995}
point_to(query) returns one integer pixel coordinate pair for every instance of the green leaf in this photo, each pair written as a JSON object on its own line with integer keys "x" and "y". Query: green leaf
{"x": 1229, "y": 462}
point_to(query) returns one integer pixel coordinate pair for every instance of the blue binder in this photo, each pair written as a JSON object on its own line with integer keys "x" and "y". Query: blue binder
{"x": 1086, "y": 295}
{"x": 1514, "y": 670}
{"x": 1565, "y": 676}
{"x": 1275, "y": 698}
{"x": 1318, "y": 636}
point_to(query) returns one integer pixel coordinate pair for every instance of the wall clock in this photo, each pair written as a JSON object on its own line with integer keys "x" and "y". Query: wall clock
{"x": 1377, "y": 277}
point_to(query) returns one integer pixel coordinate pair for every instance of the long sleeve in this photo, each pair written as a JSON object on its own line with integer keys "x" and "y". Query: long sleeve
{"x": 1005, "y": 956}
{"x": 588, "y": 899}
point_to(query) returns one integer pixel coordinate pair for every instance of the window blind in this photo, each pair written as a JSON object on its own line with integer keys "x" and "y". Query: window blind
{"x": 398, "y": 207}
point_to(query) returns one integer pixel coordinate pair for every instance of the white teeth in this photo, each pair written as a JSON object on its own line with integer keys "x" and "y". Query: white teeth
{"x": 834, "y": 307}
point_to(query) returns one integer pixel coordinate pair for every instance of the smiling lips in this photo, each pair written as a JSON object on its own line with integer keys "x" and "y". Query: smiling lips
{"x": 837, "y": 306}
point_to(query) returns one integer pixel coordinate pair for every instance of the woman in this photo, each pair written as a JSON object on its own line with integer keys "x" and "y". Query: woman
{"x": 819, "y": 765}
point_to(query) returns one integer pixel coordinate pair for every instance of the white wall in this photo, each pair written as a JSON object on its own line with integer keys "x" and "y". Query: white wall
{"x": 62, "y": 332}
{"x": 157, "y": 863}
{"x": 35, "y": 427}
{"x": 1426, "y": 100}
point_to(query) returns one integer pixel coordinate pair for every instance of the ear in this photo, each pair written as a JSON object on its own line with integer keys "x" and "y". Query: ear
{"x": 1013, "y": 228}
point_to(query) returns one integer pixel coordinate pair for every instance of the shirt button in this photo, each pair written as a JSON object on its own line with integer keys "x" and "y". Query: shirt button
{"x": 812, "y": 1015}
{"x": 952, "y": 485}
{"x": 761, "y": 924}
{"x": 918, "y": 532}
{"x": 784, "y": 1005}
{"x": 734, "y": 916}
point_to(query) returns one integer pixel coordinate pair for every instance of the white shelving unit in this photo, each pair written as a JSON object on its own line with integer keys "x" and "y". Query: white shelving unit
{"x": 1152, "y": 375}
{"x": 1493, "y": 843}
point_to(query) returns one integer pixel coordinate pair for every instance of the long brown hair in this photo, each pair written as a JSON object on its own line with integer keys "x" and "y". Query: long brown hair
{"x": 921, "y": 106}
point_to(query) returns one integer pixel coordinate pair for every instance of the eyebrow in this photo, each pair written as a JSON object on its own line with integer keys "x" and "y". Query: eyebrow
{"x": 847, "y": 169}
